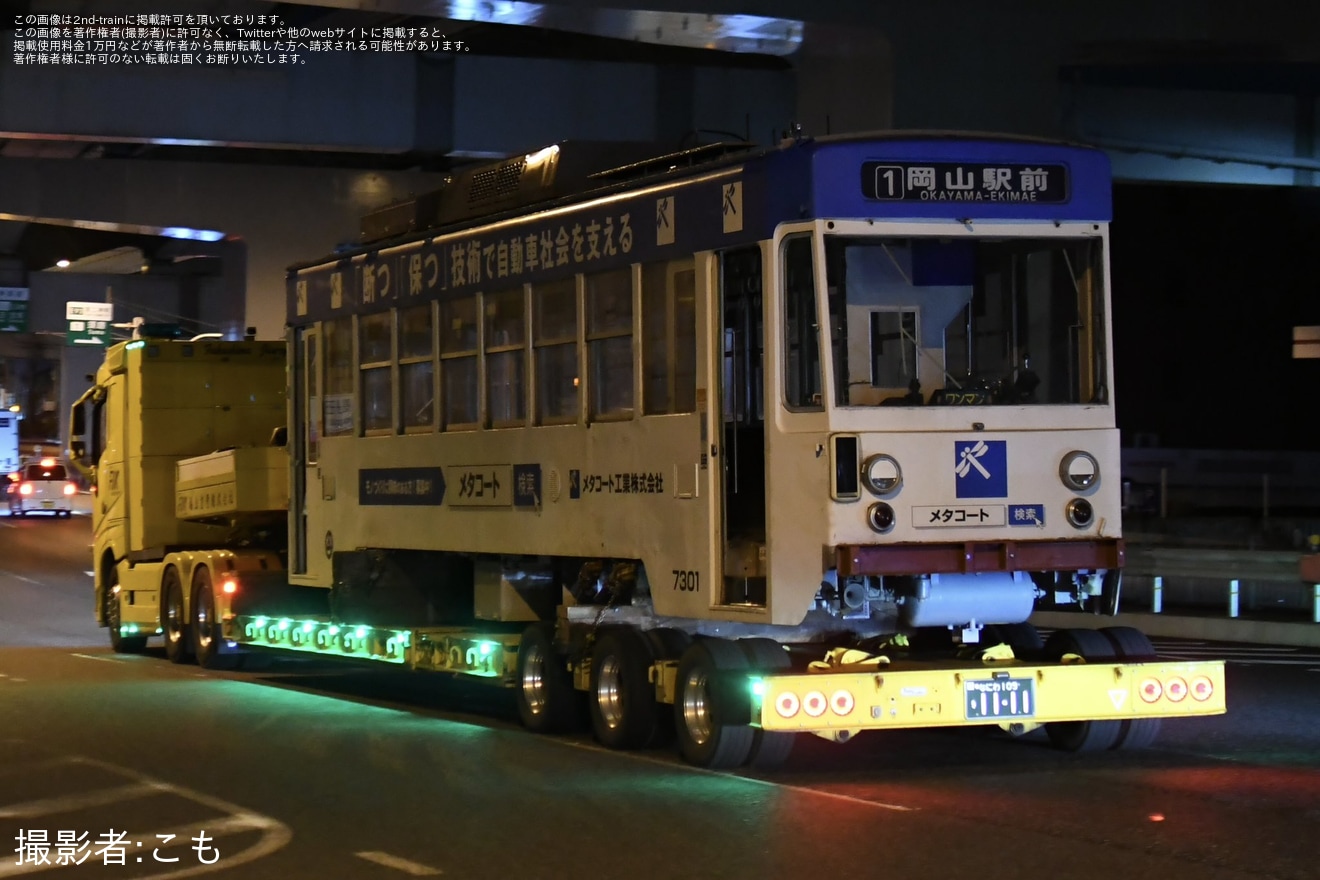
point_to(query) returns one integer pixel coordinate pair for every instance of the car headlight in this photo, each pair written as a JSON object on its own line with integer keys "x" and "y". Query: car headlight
{"x": 882, "y": 475}
{"x": 1079, "y": 470}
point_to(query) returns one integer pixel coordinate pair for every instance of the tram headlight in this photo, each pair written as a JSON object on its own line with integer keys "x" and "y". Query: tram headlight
{"x": 1079, "y": 513}
{"x": 880, "y": 516}
{"x": 1079, "y": 470}
{"x": 882, "y": 475}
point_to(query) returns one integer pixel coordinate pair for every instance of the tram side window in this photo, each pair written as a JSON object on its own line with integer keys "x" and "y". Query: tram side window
{"x": 458, "y": 362}
{"x": 802, "y": 382}
{"x": 506, "y": 354}
{"x": 338, "y": 377}
{"x": 375, "y": 353}
{"x": 669, "y": 337}
{"x": 554, "y": 336}
{"x": 609, "y": 307}
{"x": 416, "y": 368}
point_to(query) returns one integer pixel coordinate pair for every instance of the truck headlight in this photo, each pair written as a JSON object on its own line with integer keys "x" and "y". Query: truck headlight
{"x": 1079, "y": 470}
{"x": 882, "y": 475}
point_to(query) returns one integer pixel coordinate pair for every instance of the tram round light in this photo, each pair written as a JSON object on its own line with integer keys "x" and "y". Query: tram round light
{"x": 882, "y": 475}
{"x": 787, "y": 704}
{"x": 880, "y": 516}
{"x": 814, "y": 704}
{"x": 1175, "y": 689}
{"x": 1079, "y": 513}
{"x": 1202, "y": 689}
{"x": 1079, "y": 470}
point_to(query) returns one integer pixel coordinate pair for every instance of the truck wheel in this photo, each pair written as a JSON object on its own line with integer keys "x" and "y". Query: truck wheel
{"x": 1082, "y": 736}
{"x": 1133, "y": 645}
{"x": 119, "y": 643}
{"x": 624, "y": 713}
{"x": 547, "y": 702}
{"x": 1021, "y": 637}
{"x": 712, "y": 705}
{"x": 206, "y": 631}
{"x": 178, "y": 635}
{"x": 770, "y": 748}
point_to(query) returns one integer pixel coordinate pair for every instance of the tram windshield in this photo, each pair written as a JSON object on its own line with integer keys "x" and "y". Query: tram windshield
{"x": 959, "y": 322}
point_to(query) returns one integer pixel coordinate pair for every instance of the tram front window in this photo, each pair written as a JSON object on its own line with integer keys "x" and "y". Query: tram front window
{"x": 1004, "y": 321}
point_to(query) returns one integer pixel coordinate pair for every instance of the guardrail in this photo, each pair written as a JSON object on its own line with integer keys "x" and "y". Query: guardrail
{"x": 1277, "y": 581}
{"x": 1260, "y": 597}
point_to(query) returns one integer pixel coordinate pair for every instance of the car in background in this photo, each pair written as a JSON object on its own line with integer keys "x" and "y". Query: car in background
{"x": 41, "y": 486}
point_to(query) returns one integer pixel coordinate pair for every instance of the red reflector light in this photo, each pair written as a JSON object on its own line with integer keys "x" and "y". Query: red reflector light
{"x": 1202, "y": 689}
{"x": 787, "y": 704}
{"x": 814, "y": 704}
{"x": 70, "y": 489}
{"x": 842, "y": 702}
{"x": 1151, "y": 690}
{"x": 25, "y": 489}
{"x": 1176, "y": 689}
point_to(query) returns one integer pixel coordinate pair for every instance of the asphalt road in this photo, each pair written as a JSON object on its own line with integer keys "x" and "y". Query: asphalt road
{"x": 304, "y": 769}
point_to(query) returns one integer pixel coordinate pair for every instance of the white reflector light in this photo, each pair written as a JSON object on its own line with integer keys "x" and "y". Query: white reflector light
{"x": 814, "y": 704}
{"x": 1151, "y": 689}
{"x": 1176, "y": 689}
{"x": 1202, "y": 689}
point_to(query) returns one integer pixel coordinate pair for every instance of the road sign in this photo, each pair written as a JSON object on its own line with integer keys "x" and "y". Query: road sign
{"x": 89, "y": 322}
{"x": 13, "y": 309}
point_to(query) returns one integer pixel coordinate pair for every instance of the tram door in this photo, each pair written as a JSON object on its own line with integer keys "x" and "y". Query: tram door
{"x": 305, "y": 436}
{"x": 743, "y": 428}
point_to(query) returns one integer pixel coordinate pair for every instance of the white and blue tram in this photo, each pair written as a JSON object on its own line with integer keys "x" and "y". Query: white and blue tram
{"x": 834, "y": 390}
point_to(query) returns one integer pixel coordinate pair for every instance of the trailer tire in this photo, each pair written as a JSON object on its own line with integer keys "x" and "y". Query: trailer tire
{"x": 547, "y": 702}
{"x": 710, "y": 710}
{"x": 770, "y": 748}
{"x": 1082, "y": 736}
{"x": 119, "y": 643}
{"x": 1023, "y": 638}
{"x": 173, "y": 619}
{"x": 208, "y": 638}
{"x": 1133, "y": 645}
{"x": 624, "y": 713}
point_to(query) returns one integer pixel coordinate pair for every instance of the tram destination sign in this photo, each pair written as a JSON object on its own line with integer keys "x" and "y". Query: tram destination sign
{"x": 964, "y": 182}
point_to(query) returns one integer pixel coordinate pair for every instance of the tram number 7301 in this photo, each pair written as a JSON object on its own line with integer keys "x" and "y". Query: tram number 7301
{"x": 687, "y": 581}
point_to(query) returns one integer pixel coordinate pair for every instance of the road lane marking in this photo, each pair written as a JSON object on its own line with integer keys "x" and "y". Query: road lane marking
{"x": 407, "y": 867}
{"x": 69, "y": 803}
{"x": 94, "y": 657}
{"x": 800, "y": 789}
{"x": 19, "y": 577}
{"x": 237, "y": 820}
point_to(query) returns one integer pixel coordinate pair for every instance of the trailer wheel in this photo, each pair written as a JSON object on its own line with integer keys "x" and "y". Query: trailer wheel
{"x": 119, "y": 643}
{"x": 547, "y": 702}
{"x": 207, "y": 634}
{"x": 712, "y": 705}
{"x": 1133, "y": 645}
{"x": 1021, "y": 637}
{"x": 770, "y": 748}
{"x": 624, "y": 713}
{"x": 178, "y": 634}
{"x": 1082, "y": 736}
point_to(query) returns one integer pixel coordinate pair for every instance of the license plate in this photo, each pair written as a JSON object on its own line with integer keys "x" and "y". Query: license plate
{"x": 48, "y": 504}
{"x": 1000, "y": 698}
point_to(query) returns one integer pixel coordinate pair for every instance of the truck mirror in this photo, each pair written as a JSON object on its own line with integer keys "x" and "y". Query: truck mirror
{"x": 79, "y": 419}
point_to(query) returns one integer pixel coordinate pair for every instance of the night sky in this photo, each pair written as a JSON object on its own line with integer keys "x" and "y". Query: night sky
{"x": 1208, "y": 283}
